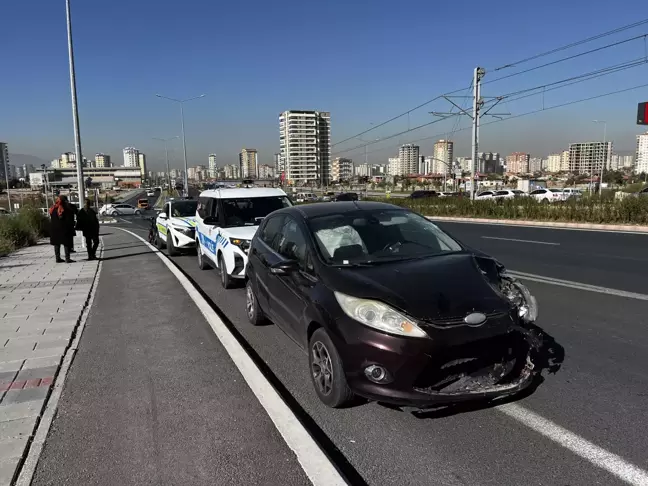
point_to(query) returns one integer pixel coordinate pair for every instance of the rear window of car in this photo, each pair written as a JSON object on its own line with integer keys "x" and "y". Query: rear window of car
{"x": 555, "y": 190}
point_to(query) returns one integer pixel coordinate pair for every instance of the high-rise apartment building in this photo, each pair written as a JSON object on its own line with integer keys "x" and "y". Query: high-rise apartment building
{"x": 102, "y": 161}
{"x": 4, "y": 161}
{"x": 554, "y": 163}
{"x": 213, "y": 168}
{"x": 589, "y": 157}
{"x": 443, "y": 152}
{"x": 409, "y": 158}
{"x": 68, "y": 160}
{"x": 395, "y": 167}
{"x": 518, "y": 163}
{"x": 535, "y": 165}
{"x": 277, "y": 164}
{"x": 232, "y": 171}
{"x": 266, "y": 171}
{"x": 248, "y": 162}
{"x": 641, "y": 164}
{"x": 341, "y": 169}
{"x": 141, "y": 161}
{"x": 131, "y": 157}
{"x": 305, "y": 146}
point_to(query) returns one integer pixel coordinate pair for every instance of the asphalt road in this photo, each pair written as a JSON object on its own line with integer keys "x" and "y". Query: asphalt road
{"x": 598, "y": 394}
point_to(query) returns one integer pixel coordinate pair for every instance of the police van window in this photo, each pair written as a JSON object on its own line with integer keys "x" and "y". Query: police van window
{"x": 202, "y": 205}
{"x": 271, "y": 232}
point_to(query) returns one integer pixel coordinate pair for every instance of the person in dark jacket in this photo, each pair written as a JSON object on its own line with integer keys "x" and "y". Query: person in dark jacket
{"x": 62, "y": 228}
{"x": 88, "y": 223}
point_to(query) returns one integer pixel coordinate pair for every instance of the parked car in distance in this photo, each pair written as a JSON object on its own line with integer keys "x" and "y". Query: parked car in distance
{"x": 545, "y": 195}
{"x": 423, "y": 194}
{"x": 328, "y": 196}
{"x": 347, "y": 196}
{"x": 150, "y": 193}
{"x": 485, "y": 195}
{"x": 389, "y": 307}
{"x": 509, "y": 194}
{"x": 305, "y": 197}
{"x": 119, "y": 210}
{"x": 571, "y": 192}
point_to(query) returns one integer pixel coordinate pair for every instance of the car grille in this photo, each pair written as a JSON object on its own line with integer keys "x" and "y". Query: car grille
{"x": 459, "y": 320}
{"x": 470, "y": 367}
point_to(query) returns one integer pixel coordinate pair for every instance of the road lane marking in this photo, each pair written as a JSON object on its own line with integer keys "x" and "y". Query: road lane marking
{"x": 592, "y": 453}
{"x": 577, "y": 285}
{"x": 536, "y": 226}
{"x": 521, "y": 241}
{"x": 312, "y": 459}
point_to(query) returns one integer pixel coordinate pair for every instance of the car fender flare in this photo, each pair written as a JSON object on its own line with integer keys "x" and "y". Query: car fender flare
{"x": 317, "y": 317}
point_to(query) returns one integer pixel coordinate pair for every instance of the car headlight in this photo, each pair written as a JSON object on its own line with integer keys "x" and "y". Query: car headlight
{"x": 520, "y": 297}
{"x": 184, "y": 231}
{"x": 379, "y": 316}
{"x": 242, "y": 244}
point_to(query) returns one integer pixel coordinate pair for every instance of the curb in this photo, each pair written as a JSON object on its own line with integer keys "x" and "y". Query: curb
{"x": 546, "y": 224}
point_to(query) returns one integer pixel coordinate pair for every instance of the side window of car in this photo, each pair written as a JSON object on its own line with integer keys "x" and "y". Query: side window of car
{"x": 271, "y": 232}
{"x": 202, "y": 205}
{"x": 293, "y": 244}
{"x": 537, "y": 191}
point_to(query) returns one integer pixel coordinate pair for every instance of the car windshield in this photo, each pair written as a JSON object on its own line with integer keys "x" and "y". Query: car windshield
{"x": 371, "y": 236}
{"x": 183, "y": 209}
{"x": 250, "y": 211}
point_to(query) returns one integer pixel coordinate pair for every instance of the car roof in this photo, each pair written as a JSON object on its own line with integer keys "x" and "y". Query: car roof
{"x": 315, "y": 210}
{"x": 242, "y": 192}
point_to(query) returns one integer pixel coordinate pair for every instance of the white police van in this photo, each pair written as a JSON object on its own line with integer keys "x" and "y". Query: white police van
{"x": 226, "y": 220}
{"x": 176, "y": 226}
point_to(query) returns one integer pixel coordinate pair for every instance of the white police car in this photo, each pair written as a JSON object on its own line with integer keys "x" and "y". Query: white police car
{"x": 176, "y": 226}
{"x": 226, "y": 221}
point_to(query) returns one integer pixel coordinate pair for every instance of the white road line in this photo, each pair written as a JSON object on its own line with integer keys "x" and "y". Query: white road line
{"x": 317, "y": 466}
{"x": 520, "y": 241}
{"x": 577, "y": 285}
{"x": 592, "y": 453}
{"x": 125, "y": 221}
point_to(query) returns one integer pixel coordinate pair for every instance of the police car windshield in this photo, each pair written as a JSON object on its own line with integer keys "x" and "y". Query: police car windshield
{"x": 183, "y": 209}
{"x": 249, "y": 211}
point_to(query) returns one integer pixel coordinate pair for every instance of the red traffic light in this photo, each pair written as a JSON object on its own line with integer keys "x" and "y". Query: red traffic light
{"x": 642, "y": 114}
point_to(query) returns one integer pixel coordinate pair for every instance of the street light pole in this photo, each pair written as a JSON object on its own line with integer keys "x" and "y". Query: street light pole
{"x": 185, "y": 180}
{"x": 75, "y": 108}
{"x": 605, "y": 160}
{"x": 166, "y": 155}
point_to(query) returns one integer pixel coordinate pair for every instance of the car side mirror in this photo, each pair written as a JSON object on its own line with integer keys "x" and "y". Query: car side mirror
{"x": 285, "y": 267}
{"x": 211, "y": 220}
{"x": 163, "y": 216}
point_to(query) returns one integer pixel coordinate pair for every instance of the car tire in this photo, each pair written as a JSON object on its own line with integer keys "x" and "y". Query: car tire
{"x": 226, "y": 280}
{"x": 137, "y": 212}
{"x": 202, "y": 261}
{"x": 171, "y": 249}
{"x": 159, "y": 244}
{"x": 327, "y": 372}
{"x": 252, "y": 310}
{"x": 114, "y": 214}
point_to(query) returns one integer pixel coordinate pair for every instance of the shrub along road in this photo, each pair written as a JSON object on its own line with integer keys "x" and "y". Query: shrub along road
{"x": 584, "y": 425}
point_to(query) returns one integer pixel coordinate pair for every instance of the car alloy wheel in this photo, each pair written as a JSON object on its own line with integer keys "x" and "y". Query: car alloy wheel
{"x": 254, "y": 313}
{"x": 202, "y": 264}
{"x": 226, "y": 280}
{"x": 322, "y": 368}
{"x": 327, "y": 371}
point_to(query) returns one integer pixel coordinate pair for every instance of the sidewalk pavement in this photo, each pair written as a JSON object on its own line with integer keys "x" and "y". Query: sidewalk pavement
{"x": 41, "y": 303}
{"x": 545, "y": 224}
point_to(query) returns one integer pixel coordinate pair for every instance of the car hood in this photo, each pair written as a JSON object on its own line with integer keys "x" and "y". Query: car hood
{"x": 189, "y": 221}
{"x": 240, "y": 232}
{"x": 439, "y": 288}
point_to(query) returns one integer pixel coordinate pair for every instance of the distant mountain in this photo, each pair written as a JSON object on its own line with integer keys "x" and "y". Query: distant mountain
{"x": 22, "y": 159}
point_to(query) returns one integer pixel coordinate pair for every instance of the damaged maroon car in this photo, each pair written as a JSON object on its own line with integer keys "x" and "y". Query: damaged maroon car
{"x": 390, "y": 307}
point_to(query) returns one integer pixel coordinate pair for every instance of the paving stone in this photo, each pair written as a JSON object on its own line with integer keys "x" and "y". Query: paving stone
{"x": 8, "y": 468}
{"x": 37, "y": 372}
{"x": 16, "y": 411}
{"x": 26, "y": 345}
{"x": 15, "y": 429}
{"x": 13, "y": 367}
{"x": 24, "y": 395}
{"x": 10, "y": 355}
{"x": 12, "y": 447}
{"x": 48, "y": 362}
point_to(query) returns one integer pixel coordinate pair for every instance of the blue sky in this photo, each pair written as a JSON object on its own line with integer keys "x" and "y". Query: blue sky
{"x": 362, "y": 61}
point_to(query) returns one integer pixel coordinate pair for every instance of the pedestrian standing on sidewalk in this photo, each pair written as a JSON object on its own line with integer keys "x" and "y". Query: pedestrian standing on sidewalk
{"x": 75, "y": 211}
{"x": 88, "y": 223}
{"x": 62, "y": 228}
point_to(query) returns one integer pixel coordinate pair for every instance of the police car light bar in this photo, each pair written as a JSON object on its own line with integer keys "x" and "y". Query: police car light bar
{"x": 642, "y": 114}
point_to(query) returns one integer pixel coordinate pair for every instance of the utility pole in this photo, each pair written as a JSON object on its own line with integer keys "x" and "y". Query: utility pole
{"x": 477, "y": 103}
{"x": 75, "y": 109}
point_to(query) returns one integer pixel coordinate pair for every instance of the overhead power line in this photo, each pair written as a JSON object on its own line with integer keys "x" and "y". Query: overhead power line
{"x": 532, "y": 112}
{"x": 512, "y": 64}
{"x": 573, "y": 44}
